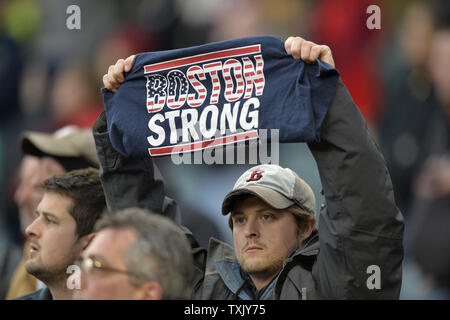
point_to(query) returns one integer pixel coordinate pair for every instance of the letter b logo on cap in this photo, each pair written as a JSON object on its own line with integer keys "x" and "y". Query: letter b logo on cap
{"x": 255, "y": 175}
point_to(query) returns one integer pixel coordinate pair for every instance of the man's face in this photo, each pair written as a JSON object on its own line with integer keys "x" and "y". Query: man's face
{"x": 108, "y": 247}
{"x": 263, "y": 237}
{"x": 53, "y": 239}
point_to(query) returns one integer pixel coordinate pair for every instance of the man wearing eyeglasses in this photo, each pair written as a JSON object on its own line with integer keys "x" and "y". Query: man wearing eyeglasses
{"x": 62, "y": 229}
{"x": 136, "y": 255}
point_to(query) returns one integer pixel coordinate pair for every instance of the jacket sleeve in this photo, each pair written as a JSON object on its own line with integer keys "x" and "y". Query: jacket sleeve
{"x": 135, "y": 182}
{"x": 360, "y": 226}
{"x": 130, "y": 182}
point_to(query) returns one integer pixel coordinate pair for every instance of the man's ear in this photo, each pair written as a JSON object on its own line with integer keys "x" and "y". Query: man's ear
{"x": 306, "y": 230}
{"x": 85, "y": 240}
{"x": 150, "y": 290}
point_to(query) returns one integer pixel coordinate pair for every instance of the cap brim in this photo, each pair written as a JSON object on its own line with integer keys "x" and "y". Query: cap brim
{"x": 271, "y": 197}
{"x": 37, "y": 144}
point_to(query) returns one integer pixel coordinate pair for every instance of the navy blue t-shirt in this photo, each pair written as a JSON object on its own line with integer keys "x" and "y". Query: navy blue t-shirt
{"x": 218, "y": 93}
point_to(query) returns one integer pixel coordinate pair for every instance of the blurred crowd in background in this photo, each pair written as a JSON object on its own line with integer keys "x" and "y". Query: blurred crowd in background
{"x": 399, "y": 76}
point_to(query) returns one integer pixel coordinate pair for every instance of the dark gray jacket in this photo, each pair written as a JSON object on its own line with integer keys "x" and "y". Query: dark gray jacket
{"x": 41, "y": 294}
{"x": 359, "y": 224}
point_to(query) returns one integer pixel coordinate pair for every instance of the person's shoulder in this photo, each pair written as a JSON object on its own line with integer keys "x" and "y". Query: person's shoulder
{"x": 41, "y": 294}
{"x": 312, "y": 246}
{"x": 218, "y": 249}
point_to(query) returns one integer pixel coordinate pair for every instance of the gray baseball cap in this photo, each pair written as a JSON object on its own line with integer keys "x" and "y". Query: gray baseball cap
{"x": 279, "y": 187}
{"x": 69, "y": 142}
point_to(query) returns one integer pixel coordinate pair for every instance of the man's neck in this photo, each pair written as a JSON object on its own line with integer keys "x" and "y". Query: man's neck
{"x": 60, "y": 291}
{"x": 261, "y": 280}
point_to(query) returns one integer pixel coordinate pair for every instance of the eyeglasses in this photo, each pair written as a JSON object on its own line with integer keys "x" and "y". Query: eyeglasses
{"x": 88, "y": 264}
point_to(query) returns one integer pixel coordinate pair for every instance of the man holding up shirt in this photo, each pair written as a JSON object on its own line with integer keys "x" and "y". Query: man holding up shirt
{"x": 278, "y": 254}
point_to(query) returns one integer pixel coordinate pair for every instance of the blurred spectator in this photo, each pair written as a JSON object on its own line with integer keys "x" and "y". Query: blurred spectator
{"x": 45, "y": 155}
{"x": 11, "y": 60}
{"x": 429, "y": 239}
{"x": 356, "y": 50}
{"x": 243, "y": 18}
{"x": 74, "y": 100}
{"x": 410, "y": 100}
{"x": 238, "y": 19}
{"x": 28, "y": 195}
{"x": 122, "y": 42}
{"x": 10, "y": 67}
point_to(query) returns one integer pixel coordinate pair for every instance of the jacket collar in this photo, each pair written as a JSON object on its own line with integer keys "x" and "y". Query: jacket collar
{"x": 44, "y": 294}
{"x": 230, "y": 272}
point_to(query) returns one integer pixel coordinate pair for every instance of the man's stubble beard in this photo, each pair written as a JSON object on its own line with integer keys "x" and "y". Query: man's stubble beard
{"x": 48, "y": 274}
{"x": 261, "y": 265}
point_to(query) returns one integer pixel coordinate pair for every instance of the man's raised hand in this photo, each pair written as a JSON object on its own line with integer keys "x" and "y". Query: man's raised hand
{"x": 308, "y": 51}
{"x": 114, "y": 77}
